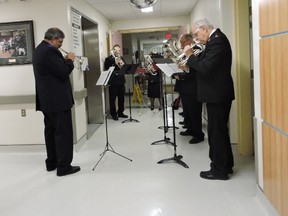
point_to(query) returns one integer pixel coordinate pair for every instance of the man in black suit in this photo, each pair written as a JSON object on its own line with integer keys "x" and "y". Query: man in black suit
{"x": 215, "y": 88}
{"x": 192, "y": 108}
{"x": 116, "y": 83}
{"x": 54, "y": 98}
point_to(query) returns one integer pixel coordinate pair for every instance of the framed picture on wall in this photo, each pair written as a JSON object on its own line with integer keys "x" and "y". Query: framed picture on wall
{"x": 16, "y": 43}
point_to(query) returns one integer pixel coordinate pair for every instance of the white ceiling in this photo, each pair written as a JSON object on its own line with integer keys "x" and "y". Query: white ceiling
{"x": 122, "y": 9}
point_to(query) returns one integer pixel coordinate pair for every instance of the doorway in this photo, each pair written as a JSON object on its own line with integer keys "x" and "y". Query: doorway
{"x": 94, "y": 97}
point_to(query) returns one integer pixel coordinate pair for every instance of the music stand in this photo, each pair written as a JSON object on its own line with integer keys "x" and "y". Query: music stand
{"x": 165, "y": 117}
{"x": 102, "y": 81}
{"x": 131, "y": 69}
{"x": 167, "y": 70}
{"x": 176, "y": 158}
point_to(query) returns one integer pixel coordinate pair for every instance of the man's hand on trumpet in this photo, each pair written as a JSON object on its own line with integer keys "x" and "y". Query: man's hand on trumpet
{"x": 71, "y": 56}
{"x": 183, "y": 67}
{"x": 188, "y": 50}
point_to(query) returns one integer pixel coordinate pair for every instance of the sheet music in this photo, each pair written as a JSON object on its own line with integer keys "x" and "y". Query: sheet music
{"x": 105, "y": 76}
{"x": 169, "y": 69}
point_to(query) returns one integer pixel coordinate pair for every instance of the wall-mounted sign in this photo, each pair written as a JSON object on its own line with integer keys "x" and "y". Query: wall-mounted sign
{"x": 76, "y": 32}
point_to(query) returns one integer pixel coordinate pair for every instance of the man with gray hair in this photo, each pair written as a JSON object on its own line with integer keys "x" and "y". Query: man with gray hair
{"x": 55, "y": 99}
{"x": 215, "y": 88}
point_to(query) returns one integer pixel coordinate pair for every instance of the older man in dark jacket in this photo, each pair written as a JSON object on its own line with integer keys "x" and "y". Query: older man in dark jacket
{"x": 215, "y": 88}
{"x": 54, "y": 98}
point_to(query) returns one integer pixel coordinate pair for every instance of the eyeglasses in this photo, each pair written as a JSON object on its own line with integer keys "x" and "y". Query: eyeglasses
{"x": 59, "y": 40}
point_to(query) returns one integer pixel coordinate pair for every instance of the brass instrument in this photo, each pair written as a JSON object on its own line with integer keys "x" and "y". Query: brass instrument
{"x": 117, "y": 57}
{"x": 172, "y": 50}
{"x": 77, "y": 61}
{"x": 149, "y": 65}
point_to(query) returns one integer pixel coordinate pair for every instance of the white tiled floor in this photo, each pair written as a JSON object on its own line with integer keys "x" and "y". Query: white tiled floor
{"x": 119, "y": 187}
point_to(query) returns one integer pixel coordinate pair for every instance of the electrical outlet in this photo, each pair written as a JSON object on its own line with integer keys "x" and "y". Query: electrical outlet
{"x": 23, "y": 112}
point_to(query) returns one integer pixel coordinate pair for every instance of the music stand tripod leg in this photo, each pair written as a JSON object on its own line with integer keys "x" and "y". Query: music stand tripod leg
{"x": 176, "y": 158}
{"x": 108, "y": 147}
{"x": 130, "y": 118}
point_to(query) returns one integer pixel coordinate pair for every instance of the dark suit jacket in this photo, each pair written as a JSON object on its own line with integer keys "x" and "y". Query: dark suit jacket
{"x": 51, "y": 71}
{"x": 117, "y": 78}
{"x": 213, "y": 70}
{"x": 188, "y": 83}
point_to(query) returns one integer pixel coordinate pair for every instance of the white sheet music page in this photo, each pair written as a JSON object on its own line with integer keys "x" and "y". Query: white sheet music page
{"x": 105, "y": 76}
{"x": 169, "y": 69}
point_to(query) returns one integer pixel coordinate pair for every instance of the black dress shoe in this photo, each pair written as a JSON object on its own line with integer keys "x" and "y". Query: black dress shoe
{"x": 195, "y": 140}
{"x": 184, "y": 126}
{"x": 213, "y": 176}
{"x": 50, "y": 168}
{"x": 186, "y": 133}
{"x": 115, "y": 118}
{"x": 182, "y": 123}
{"x": 70, "y": 170}
{"x": 122, "y": 115}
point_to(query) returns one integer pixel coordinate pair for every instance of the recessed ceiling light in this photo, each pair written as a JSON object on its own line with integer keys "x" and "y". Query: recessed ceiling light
{"x": 147, "y": 9}
{"x": 142, "y": 3}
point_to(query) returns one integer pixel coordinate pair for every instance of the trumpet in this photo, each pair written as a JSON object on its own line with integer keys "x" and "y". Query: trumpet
{"x": 172, "y": 50}
{"x": 149, "y": 65}
{"x": 117, "y": 57}
{"x": 77, "y": 60}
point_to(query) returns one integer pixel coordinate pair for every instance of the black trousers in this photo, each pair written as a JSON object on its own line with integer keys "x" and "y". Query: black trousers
{"x": 59, "y": 139}
{"x": 220, "y": 151}
{"x": 116, "y": 91}
{"x": 192, "y": 115}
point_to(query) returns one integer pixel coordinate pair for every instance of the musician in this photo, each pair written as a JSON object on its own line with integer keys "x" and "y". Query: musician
{"x": 192, "y": 108}
{"x": 215, "y": 88}
{"x": 154, "y": 84}
{"x": 54, "y": 98}
{"x": 116, "y": 83}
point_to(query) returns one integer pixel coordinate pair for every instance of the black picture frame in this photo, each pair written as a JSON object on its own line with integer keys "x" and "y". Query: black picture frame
{"x": 16, "y": 43}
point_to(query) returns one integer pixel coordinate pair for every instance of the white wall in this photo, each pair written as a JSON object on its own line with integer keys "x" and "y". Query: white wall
{"x": 150, "y": 23}
{"x": 257, "y": 95}
{"x": 19, "y": 80}
{"x": 220, "y": 13}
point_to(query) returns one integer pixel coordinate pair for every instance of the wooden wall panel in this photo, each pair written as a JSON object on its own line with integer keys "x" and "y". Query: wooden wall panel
{"x": 274, "y": 81}
{"x": 275, "y": 150}
{"x": 273, "y": 16}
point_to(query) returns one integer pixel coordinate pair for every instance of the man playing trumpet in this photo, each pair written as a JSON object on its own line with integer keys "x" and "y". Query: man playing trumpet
{"x": 192, "y": 108}
{"x": 216, "y": 89}
{"x": 54, "y": 98}
{"x": 116, "y": 83}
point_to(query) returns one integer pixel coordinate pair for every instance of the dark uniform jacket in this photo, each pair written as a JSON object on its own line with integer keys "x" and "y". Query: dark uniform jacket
{"x": 213, "y": 70}
{"x": 51, "y": 71}
{"x": 118, "y": 77}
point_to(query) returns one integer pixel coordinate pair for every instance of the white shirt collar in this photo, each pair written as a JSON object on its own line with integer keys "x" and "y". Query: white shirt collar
{"x": 212, "y": 32}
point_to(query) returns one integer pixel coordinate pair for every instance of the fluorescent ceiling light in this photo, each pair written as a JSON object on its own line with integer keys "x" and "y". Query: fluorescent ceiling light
{"x": 147, "y": 9}
{"x": 142, "y": 3}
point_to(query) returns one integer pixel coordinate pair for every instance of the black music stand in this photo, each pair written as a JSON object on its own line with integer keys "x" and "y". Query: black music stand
{"x": 130, "y": 70}
{"x": 165, "y": 140}
{"x": 168, "y": 68}
{"x": 176, "y": 158}
{"x": 102, "y": 81}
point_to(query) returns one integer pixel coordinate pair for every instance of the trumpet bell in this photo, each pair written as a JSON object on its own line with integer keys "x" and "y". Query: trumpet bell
{"x": 149, "y": 65}
{"x": 172, "y": 50}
